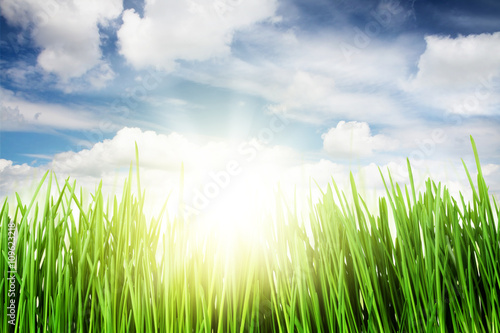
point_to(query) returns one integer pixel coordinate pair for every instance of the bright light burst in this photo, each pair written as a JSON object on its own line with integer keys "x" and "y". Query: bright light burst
{"x": 240, "y": 209}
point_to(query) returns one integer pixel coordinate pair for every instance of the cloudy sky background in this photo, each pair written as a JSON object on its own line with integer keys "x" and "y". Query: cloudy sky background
{"x": 261, "y": 90}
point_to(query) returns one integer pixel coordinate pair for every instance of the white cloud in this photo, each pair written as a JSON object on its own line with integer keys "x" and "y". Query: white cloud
{"x": 206, "y": 162}
{"x": 16, "y": 178}
{"x": 448, "y": 139}
{"x": 24, "y": 76}
{"x": 161, "y": 157}
{"x": 308, "y": 87}
{"x": 100, "y": 75}
{"x": 313, "y": 97}
{"x": 354, "y": 139}
{"x": 10, "y": 116}
{"x": 164, "y": 153}
{"x": 21, "y": 74}
{"x": 66, "y": 31}
{"x": 490, "y": 169}
{"x": 457, "y": 62}
{"x": 19, "y": 114}
{"x": 186, "y": 29}
{"x": 459, "y": 75}
{"x": 157, "y": 152}
{"x": 307, "y": 77}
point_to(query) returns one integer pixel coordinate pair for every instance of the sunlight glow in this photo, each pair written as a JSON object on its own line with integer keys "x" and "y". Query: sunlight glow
{"x": 240, "y": 209}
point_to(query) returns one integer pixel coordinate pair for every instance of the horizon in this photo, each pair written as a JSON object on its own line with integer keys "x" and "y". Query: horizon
{"x": 265, "y": 91}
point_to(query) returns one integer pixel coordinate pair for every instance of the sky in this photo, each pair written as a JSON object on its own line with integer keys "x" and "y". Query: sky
{"x": 245, "y": 94}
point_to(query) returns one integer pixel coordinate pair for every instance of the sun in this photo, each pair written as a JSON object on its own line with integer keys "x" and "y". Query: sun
{"x": 239, "y": 208}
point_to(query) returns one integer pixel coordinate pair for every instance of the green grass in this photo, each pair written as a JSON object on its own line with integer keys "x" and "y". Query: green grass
{"x": 101, "y": 267}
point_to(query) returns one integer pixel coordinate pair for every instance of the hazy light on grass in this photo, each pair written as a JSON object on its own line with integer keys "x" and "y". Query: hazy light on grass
{"x": 108, "y": 269}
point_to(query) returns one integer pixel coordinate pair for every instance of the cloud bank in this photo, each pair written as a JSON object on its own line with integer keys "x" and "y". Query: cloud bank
{"x": 218, "y": 173}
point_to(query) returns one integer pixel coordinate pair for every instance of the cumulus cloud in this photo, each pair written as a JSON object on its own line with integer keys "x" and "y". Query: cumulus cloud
{"x": 161, "y": 158}
{"x": 186, "y": 29}
{"x": 157, "y": 152}
{"x": 16, "y": 178}
{"x": 260, "y": 167}
{"x": 354, "y": 139}
{"x": 459, "y": 75}
{"x": 10, "y": 116}
{"x": 164, "y": 153}
{"x": 206, "y": 165}
{"x": 66, "y": 31}
{"x": 456, "y": 62}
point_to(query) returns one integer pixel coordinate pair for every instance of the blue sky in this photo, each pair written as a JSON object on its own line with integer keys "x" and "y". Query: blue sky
{"x": 355, "y": 83}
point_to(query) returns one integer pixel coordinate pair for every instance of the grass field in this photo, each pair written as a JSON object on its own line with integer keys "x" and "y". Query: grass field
{"x": 103, "y": 268}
